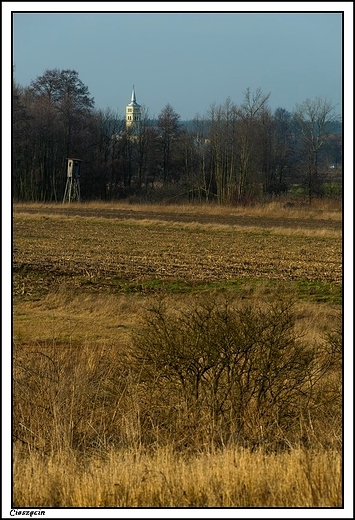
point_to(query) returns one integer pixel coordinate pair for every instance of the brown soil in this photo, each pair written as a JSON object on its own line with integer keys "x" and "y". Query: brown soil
{"x": 186, "y": 217}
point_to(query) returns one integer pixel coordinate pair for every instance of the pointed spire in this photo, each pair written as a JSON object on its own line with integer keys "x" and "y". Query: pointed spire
{"x": 133, "y": 97}
{"x": 133, "y": 102}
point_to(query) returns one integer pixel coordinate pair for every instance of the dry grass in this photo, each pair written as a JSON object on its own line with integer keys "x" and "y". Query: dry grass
{"x": 66, "y": 316}
{"x": 325, "y": 209}
{"x": 231, "y": 478}
{"x": 70, "y": 317}
{"x": 82, "y": 276}
{"x": 198, "y": 226}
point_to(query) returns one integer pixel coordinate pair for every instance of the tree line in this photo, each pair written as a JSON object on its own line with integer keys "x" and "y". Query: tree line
{"x": 232, "y": 154}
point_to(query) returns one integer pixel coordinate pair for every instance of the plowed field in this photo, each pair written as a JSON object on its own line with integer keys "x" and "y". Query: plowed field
{"x": 110, "y": 249}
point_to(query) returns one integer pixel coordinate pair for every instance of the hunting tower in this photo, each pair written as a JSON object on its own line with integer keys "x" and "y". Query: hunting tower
{"x": 72, "y": 187}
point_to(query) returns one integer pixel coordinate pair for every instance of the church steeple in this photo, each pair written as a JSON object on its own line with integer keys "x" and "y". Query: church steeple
{"x": 133, "y": 112}
{"x": 133, "y": 97}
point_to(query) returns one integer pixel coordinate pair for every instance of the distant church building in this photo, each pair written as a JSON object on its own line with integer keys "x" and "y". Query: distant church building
{"x": 133, "y": 114}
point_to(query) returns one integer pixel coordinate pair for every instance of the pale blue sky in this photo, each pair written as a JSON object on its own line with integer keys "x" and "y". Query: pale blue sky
{"x": 190, "y": 60}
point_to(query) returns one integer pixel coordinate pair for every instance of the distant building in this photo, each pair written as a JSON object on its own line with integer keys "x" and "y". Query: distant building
{"x": 133, "y": 114}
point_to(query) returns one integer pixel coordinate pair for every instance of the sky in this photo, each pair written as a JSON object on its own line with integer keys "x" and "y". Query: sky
{"x": 190, "y": 60}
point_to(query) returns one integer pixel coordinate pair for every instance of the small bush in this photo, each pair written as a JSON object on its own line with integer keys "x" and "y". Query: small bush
{"x": 218, "y": 373}
{"x": 224, "y": 373}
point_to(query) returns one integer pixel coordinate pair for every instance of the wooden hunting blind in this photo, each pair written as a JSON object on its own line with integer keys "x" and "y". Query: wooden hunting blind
{"x": 72, "y": 187}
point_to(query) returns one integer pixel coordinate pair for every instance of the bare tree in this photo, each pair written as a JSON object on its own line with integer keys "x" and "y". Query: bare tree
{"x": 168, "y": 125}
{"x": 105, "y": 147}
{"x": 249, "y": 114}
{"x": 145, "y": 152}
{"x": 21, "y": 144}
{"x": 202, "y": 177}
{"x": 68, "y": 94}
{"x": 223, "y": 131}
{"x": 282, "y": 146}
{"x": 60, "y": 108}
{"x": 311, "y": 119}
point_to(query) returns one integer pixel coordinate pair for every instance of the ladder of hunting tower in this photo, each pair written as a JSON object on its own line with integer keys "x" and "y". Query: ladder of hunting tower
{"x": 72, "y": 187}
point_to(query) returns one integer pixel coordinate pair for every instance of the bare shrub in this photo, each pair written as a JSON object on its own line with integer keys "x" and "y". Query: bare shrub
{"x": 232, "y": 374}
{"x": 214, "y": 373}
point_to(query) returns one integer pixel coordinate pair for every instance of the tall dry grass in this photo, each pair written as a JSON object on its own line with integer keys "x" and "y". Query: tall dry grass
{"x": 135, "y": 478}
{"x": 89, "y": 396}
{"x": 324, "y": 209}
{"x": 66, "y": 315}
{"x": 82, "y": 391}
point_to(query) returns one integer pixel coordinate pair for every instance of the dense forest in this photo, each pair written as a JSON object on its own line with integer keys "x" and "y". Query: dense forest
{"x": 234, "y": 154}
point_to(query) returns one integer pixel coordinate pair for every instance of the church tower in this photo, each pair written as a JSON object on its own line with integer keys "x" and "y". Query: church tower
{"x": 133, "y": 113}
